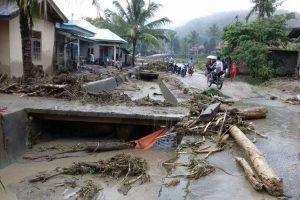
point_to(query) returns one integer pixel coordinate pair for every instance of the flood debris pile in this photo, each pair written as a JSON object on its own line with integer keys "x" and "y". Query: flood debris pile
{"x": 213, "y": 119}
{"x": 211, "y": 122}
{"x": 63, "y": 86}
{"x": 294, "y": 100}
{"x": 160, "y": 66}
{"x": 125, "y": 168}
{"x": 196, "y": 167}
{"x": 89, "y": 191}
{"x": 147, "y": 101}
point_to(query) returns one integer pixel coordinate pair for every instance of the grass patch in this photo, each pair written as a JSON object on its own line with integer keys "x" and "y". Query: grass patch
{"x": 214, "y": 92}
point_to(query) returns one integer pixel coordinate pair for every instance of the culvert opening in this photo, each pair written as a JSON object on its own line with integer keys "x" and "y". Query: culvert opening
{"x": 43, "y": 128}
{"x": 148, "y": 76}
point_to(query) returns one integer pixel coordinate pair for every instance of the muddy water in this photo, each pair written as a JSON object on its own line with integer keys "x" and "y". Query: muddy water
{"x": 280, "y": 149}
{"x": 137, "y": 89}
{"x": 15, "y": 176}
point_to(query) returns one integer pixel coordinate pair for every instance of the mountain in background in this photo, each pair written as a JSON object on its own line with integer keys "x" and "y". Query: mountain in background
{"x": 222, "y": 19}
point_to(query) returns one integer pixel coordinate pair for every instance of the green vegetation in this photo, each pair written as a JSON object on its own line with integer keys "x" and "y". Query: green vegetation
{"x": 201, "y": 63}
{"x": 263, "y": 8}
{"x": 247, "y": 43}
{"x": 214, "y": 92}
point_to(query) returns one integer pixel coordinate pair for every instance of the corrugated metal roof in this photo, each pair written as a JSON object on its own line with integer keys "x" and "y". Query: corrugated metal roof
{"x": 100, "y": 34}
{"x": 8, "y": 10}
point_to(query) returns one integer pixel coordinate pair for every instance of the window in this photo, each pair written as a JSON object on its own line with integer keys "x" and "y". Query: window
{"x": 36, "y": 45}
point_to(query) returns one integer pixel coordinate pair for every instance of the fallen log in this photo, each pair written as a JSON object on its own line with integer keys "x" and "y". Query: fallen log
{"x": 6, "y": 89}
{"x": 109, "y": 146}
{"x": 271, "y": 181}
{"x": 44, "y": 177}
{"x": 251, "y": 176}
{"x": 253, "y": 113}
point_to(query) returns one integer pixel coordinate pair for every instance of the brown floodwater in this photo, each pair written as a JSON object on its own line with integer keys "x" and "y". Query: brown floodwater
{"x": 15, "y": 177}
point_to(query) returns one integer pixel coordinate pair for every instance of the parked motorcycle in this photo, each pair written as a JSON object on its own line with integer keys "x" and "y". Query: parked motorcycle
{"x": 184, "y": 70}
{"x": 175, "y": 68}
{"x": 191, "y": 70}
{"x": 179, "y": 68}
{"x": 170, "y": 67}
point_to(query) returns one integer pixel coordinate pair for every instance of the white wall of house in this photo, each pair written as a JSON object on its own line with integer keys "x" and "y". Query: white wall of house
{"x": 16, "y": 61}
{"x": 4, "y": 47}
{"x": 84, "y": 50}
{"x": 48, "y": 37}
{"x": 47, "y": 30}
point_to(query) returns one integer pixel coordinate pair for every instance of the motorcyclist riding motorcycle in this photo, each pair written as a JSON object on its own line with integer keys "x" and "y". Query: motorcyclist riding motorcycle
{"x": 171, "y": 65}
{"x": 216, "y": 69}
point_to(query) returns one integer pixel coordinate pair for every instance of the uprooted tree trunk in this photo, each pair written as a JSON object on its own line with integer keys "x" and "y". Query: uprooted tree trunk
{"x": 108, "y": 147}
{"x": 253, "y": 113}
{"x": 271, "y": 181}
{"x": 251, "y": 176}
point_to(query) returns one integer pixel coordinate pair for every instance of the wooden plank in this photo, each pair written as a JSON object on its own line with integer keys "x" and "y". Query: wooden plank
{"x": 210, "y": 112}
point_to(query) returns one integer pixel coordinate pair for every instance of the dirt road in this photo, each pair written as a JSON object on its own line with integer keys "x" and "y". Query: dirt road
{"x": 281, "y": 88}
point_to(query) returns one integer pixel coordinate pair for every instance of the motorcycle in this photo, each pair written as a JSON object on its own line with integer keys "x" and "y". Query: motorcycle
{"x": 191, "y": 70}
{"x": 175, "y": 68}
{"x": 184, "y": 70}
{"x": 170, "y": 67}
{"x": 179, "y": 69}
{"x": 213, "y": 78}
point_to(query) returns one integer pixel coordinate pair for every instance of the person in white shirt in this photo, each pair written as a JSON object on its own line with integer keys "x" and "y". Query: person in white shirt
{"x": 219, "y": 67}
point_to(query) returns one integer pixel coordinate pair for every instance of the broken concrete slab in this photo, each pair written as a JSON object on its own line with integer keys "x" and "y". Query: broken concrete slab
{"x": 105, "y": 85}
{"x": 210, "y": 112}
{"x": 13, "y": 137}
{"x": 168, "y": 94}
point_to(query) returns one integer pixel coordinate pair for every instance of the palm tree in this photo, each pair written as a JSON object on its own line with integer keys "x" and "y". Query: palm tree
{"x": 193, "y": 38}
{"x": 214, "y": 36}
{"x": 134, "y": 23}
{"x": 264, "y": 8}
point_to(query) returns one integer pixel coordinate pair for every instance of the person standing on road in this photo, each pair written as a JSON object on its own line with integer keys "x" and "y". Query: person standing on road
{"x": 233, "y": 72}
{"x": 225, "y": 66}
{"x": 190, "y": 62}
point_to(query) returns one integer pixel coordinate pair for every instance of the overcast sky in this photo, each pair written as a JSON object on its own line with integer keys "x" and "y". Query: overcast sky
{"x": 177, "y": 10}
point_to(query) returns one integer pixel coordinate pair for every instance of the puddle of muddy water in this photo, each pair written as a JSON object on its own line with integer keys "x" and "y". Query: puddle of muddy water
{"x": 138, "y": 89}
{"x": 15, "y": 176}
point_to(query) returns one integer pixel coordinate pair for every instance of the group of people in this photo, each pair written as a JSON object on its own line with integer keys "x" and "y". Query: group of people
{"x": 220, "y": 67}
